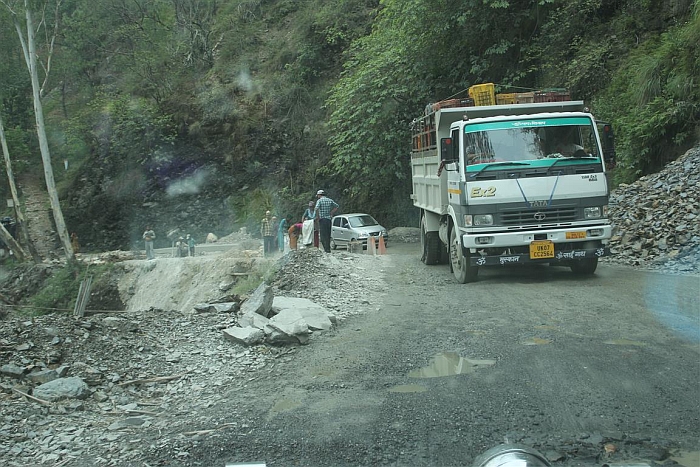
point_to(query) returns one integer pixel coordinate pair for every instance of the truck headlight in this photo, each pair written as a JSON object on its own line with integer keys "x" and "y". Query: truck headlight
{"x": 595, "y": 212}
{"x": 478, "y": 219}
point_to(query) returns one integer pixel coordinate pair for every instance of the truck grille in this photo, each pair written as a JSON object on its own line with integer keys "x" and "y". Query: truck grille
{"x": 538, "y": 216}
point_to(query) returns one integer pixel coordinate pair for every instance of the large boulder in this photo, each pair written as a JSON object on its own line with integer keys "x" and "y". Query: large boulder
{"x": 287, "y": 327}
{"x": 317, "y": 317}
{"x": 259, "y": 302}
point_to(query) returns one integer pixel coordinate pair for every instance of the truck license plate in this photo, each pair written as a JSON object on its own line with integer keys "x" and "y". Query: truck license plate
{"x": 541, "y": 249}
{"x": 572, "y": 235}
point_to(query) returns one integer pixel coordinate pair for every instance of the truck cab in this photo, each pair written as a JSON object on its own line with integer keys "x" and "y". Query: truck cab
{"x": 511, "y": 184}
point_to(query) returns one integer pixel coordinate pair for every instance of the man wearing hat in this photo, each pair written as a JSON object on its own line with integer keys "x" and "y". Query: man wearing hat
{"x": 324, "y": 210}
{"x": 268, "y": 233}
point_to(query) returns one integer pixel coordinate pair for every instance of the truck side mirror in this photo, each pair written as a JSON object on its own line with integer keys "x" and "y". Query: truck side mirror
{"x": 447, "y": 150}
{"x": 607, "y": 139}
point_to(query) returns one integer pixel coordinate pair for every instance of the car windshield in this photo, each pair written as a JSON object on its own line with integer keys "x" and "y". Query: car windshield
{"x": 362, "y": 221}
{"x": 529, "y": 140}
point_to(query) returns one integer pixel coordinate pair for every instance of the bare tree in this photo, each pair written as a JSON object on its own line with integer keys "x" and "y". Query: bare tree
{"x": 24, "y": 234}
{"x": 30, "y": 57}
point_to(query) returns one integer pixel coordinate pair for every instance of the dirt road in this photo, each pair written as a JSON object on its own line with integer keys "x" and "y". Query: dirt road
{"x": 588, "y": 371}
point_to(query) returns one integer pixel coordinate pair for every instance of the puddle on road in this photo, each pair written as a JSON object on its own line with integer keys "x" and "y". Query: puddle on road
{"x": 537, "y": 341}
{"x": 687, "y": 459}
{"x": 408, "y": 388}
{"x": 283, "y": 405}
{"x": 449, "y": 364}
{"x": 624, "y": 342}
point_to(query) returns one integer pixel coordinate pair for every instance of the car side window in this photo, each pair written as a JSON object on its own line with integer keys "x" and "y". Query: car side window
{"x": 336, "y": 222}
{"x": 345, "y": 224}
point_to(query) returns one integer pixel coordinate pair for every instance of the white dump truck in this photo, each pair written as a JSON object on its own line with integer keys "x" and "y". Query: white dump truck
{"x": 511, "y": 180}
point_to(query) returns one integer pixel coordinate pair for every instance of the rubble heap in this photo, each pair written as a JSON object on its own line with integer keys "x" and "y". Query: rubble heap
{"x": 104, "y": 389}
{"x": 656, "y": 219}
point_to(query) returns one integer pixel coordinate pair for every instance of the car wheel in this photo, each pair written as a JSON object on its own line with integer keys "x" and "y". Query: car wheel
{"x": 459, "y": 260}
{"x": 333, "y": 244}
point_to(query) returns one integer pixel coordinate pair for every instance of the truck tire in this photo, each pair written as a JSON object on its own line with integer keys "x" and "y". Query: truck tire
{"x": 584, "y": 267}
{"x": 444, "y": 254}
{"x": 459, "y": 260}
{"x": 430, "y": 245}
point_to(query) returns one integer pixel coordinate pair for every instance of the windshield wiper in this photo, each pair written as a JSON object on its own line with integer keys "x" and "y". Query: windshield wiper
{"x": 496, "y": 164}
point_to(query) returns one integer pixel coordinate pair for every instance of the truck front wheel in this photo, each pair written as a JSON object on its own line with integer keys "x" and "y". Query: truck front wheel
{"x": 459, "y": 260}
{"x": 584, "y": 267}
{"x": 430, "y": 244}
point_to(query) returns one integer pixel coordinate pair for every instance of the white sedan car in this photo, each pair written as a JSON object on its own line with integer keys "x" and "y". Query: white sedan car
{"x": 355, "y": 227}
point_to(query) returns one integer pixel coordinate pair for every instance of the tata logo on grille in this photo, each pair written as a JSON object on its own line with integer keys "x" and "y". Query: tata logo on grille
{"x": 539, "y": 216}
{"x": 539, "y": 203}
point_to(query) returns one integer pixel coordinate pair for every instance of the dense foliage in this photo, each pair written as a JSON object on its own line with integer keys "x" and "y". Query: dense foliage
{"x": 202, "y": 114}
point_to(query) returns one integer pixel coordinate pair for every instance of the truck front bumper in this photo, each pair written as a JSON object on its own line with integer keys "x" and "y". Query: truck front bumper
{"x": 542, "y": 246}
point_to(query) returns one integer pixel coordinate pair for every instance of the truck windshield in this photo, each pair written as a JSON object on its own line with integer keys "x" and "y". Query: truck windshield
{"x": 530, "y": 140}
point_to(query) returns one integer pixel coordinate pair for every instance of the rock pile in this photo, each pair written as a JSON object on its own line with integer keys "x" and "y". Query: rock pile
{"x": 104, "y": 389}
{"x": 278, "y": 320}
{"x": 656, "y": 220}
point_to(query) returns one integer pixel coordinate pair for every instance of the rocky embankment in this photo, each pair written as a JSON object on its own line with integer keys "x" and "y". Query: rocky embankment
{"x": 657, "y": 218}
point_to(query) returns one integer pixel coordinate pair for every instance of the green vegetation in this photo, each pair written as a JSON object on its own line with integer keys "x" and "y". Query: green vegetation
{"x": 261, "y": 103}
{"x": 60, "y": 289}
{"x": 264, "y": 271}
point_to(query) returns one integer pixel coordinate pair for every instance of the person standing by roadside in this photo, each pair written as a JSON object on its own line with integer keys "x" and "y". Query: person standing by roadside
{"x": 148, "y": 237}
{"x": 308, "y": 232}
{"x": 324, "y": 210}
{"x": 268, "y": 233}
{"x": 190, "y": 244}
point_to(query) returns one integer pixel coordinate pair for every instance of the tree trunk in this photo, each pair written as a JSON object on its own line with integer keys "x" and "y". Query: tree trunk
{"x": 30, "y": 57}
{"x": 19, "y": 216}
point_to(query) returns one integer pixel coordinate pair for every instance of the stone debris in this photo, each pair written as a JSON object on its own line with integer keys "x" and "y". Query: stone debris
{"x": 292, "y": 321}
{"x": 259, "y": 302}
{"x": 656, "y": 219}
{"x": 316, "y": 316}
{"x": 287, "y": 327}
{"x": 142, "y": 370}
{"x": 405, "y": 234}
{"x": 224, "y": 307}
{"x": 62, "y": 388}
{"x": 244, "y": 335}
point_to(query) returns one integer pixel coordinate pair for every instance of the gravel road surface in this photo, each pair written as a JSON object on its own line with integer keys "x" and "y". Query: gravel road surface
{"x": 589, "y": 371}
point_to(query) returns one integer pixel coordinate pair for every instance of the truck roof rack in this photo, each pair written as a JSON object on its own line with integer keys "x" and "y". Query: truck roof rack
{"x": 516, "y": 109}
